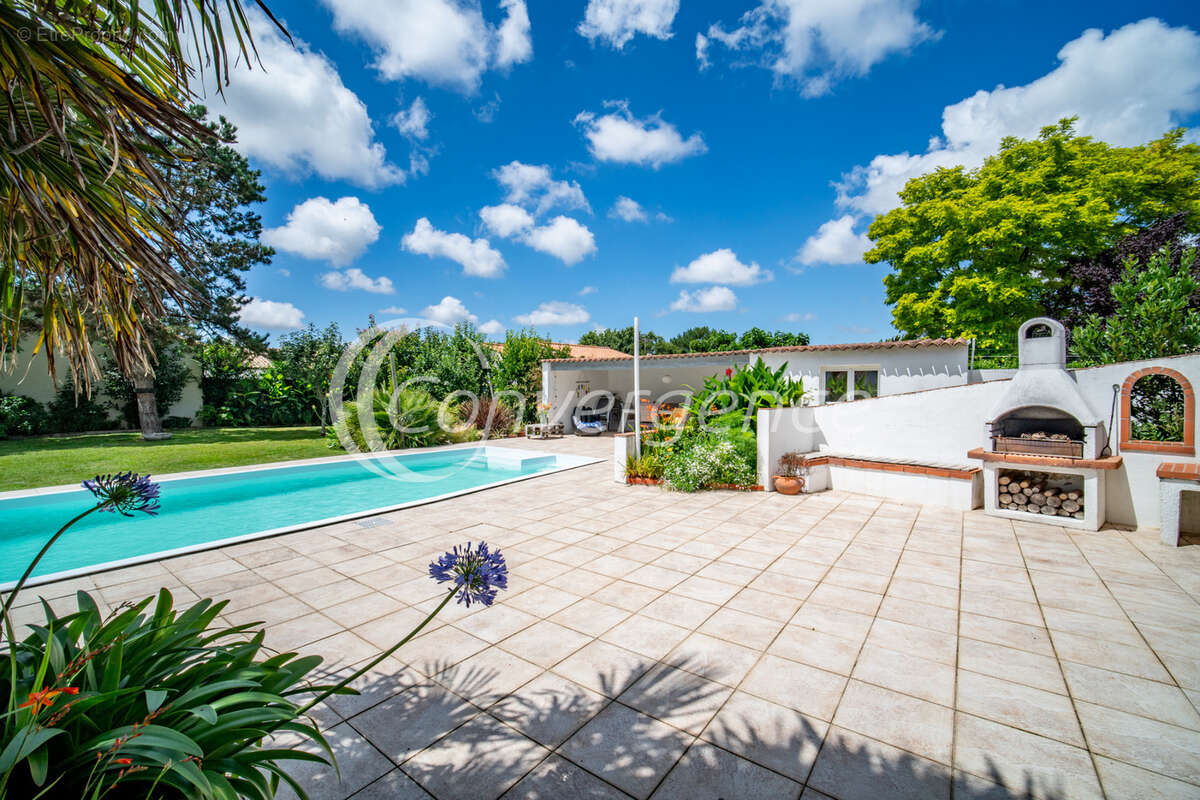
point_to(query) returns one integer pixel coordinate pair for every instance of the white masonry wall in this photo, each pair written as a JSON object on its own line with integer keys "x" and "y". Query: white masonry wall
{"x": 900, "y": 369}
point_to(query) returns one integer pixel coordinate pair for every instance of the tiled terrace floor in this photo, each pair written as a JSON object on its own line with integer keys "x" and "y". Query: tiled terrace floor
{"x": 728, "y": 645}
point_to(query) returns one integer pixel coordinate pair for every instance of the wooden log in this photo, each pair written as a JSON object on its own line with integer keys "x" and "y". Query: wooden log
{"x": 1020, "y": 499}
{"x": 1028, "y": 490}
{"x": 1025, "y": 484}
{"x": 1049, "y": 510}
{"x": 1073, "y": 495}
{"x": 1003, "y": 480}
{"x": 1070, "y": 506}
{"x": 1053, "y": 501}
{"x": 1006, "y": 498}
{"x": 1078, "y": 515}
{"x": 1037, "y": 499}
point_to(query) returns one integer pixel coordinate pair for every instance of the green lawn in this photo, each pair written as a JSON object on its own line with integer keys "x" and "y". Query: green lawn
{"x": 29, "y": 463}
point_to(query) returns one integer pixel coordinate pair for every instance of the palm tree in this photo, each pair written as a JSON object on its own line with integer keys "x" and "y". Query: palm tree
{"x": 90, "y": 92}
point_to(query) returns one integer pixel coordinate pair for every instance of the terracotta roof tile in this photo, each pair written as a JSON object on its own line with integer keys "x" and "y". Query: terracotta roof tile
{"x": 807, "y": 348}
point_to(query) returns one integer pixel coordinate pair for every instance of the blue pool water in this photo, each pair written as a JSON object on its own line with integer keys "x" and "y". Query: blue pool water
{"x": 200, "y": 510}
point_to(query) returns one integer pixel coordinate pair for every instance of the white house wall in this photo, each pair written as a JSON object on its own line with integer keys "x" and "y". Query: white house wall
{"x": 29, "y": 377}
{"x": 901, "y": 369}
{"x": 941, "y": 425}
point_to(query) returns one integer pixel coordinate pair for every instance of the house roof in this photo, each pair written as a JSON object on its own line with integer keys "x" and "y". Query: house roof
{"x": 614, "y": 355}
{"x": 579, "y": 352}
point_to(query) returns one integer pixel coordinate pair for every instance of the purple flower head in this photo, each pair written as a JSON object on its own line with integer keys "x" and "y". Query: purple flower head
{"x": 477, "y": 572}
{"x": 124, "y": 493}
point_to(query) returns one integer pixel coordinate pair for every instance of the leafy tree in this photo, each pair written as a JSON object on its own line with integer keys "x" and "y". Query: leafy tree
{"x": 518, "y": 365}
{"x": 146, "y": 403}
{"x": 1153, "y": 316}
{"x": 757, "y": 338}
{"x": 86, "y": 205}
{"x": 621, "y": 339}
{"x": 307, "y": 358}
{"x": 975, "y": 252}
{"x": 222, "y": 364}
{"x": 1088, "y": 282}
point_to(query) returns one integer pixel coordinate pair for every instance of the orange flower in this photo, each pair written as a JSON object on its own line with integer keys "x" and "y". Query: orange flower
{"x": 124, "y": 761}
{"x": 45, "y": 697}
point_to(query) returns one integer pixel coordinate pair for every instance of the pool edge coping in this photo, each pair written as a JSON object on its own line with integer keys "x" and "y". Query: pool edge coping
{"x": 163, "y": 555}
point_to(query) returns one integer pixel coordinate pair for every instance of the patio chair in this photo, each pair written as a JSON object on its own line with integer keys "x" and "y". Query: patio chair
{"x": 588, "y": 422}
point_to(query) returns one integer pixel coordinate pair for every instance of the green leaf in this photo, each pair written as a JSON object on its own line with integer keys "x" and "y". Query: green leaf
{"x": 206, "y": 713}
{"x": 26, "y": 740}
{"x": 154, "y": 699}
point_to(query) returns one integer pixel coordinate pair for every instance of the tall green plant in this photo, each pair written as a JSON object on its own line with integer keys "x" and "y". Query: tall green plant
{"x": 732, "y": 400}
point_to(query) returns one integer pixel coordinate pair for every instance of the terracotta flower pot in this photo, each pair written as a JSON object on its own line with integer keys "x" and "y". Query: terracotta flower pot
{"x": 788, "y": 485}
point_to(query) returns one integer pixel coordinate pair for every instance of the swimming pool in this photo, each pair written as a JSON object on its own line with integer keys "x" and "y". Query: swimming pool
{"x": 206, "y": 510}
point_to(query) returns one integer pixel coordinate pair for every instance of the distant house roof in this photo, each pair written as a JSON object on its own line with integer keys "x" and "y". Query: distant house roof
{"x": 579, "y": 352}
{"x": 258, "y": 361}
{"x": 614, "y": 355}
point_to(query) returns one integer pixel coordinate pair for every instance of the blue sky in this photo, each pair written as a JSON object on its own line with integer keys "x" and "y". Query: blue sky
{"x": 466, "y": 160}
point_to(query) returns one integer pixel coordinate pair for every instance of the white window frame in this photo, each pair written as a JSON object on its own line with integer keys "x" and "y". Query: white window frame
{"x": 849, "y": 369}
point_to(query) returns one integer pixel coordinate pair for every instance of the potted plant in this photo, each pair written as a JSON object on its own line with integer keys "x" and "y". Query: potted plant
{"x": 790, "y": 479}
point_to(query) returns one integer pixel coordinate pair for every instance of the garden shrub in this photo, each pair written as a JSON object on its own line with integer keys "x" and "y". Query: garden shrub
{"x": 702, "y": 459}
{"x": 409, "y": 418}
{"x": 22, "y": 416}
{"x": 71, "y": 413}
{"x": 732, "y": 400}
{"x": 490, "y": 413}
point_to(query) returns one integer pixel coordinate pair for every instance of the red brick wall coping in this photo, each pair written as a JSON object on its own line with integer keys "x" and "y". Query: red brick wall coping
{"x": 1111, "y": 462}
{"x": 1179, "y": 471}
{"x": 1188, "y": 446}
{"x": 889, "y": 466}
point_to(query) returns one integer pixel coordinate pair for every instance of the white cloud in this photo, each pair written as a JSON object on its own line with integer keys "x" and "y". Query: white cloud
{"x": 721, "y": 266}
{"x": 814, "y": 43}
{"x": 506, "y": 219}
{"x": 835, "y": 242}
{"x": 513, "y": 45}
{"x": 564, "y": 238}
{"x": 337, "y": 232}
{"x": 294, "y": 114}
{"x": 1126, "y": 88}
{"x": 493, "y": 327}
{"x": 628, "y": 209}
{"x": 477, "y": 256}
{"x": 271, "y": 315}
{"x": 355, "y": 278}
{"x": 714, "y": 298}
{"x": 413, "y": 121}
{"x": 585, "y": 291}
{"x": 555, "y": 312}
{"x": 443, "y": 42}
{"x": 615, "y": 22}
{"x": 533, "y": 185}
{"x": 393, "y": 310}
{"x": 624, "y": 139}
{"x": 449, "y": 311}
{"x": 807, "y": 316}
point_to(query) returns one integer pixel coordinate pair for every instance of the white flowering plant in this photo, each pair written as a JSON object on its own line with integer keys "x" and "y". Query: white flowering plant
{"x": 706, "y": 459}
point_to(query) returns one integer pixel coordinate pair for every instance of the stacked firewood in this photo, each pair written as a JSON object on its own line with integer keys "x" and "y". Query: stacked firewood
{"x": 1033, "y": 496}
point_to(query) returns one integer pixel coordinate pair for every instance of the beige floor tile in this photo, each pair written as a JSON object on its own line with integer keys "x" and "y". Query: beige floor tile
{"x": 901, "y": 720}
{"x": 818, "y": 649}
{"x": 590, "y": 616}
{"x": 767, "y": 733}
{"x": 712, "y": 658}
{"x": 1043, "y": 768}
{"x": 706, "y": 590}
{"x": 679, "y": 610}
{"x": 1019, "y": 666}
{"x": 1147, "y": 743}
{"x": 627, "y": 748}
{"x": 626, "y": 595}
{"x": 559, "y": 779}
{"x": 1158, "y": 701}
{"x": 1019, "y": 706}
{"x": 917, "y": 641}
{"x": 710, "y": 771}
{"x": 800, "y": 686}
{"x": 765, "y": 604}
{"x": 833, "y": 621}
{"x": 905, "y": 673}
{"x": 549, "y": 708}
{"x": 545, "y": 643}
{"x": 497, "y": 755}
{"x": 431, "y": 652}
{"x": 358, "y": 764}
{"x": 646, "y": 636}
{"x": 1126, "y": 780}
{"x": 741, "y": 628}
{"x": 682, "y": 699}
{"x": 1139, "y": 661}
{"x": 855, "y": 767}
{"x": 604, "y": 667}
{"x": 1032, "y": 638}
{"x": 496, "y": 623}
{"x": 922, "y": 615}
{"x": 429, "y": 712}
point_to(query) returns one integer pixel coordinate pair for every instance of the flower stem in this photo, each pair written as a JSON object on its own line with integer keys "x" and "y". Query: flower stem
{"x": 378, "y": 659}
{"x": 12, "y": 595}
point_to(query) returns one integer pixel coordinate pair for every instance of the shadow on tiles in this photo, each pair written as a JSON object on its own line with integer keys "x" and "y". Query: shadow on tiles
{"x": 456, "y": 733}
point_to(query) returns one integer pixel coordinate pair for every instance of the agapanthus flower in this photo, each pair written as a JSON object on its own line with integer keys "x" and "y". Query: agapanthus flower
{"x": 477, "y": 572}
{"x": 125, "y": 492}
